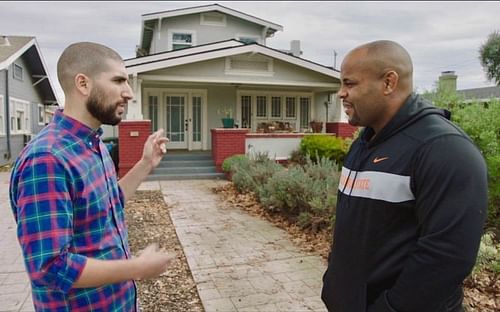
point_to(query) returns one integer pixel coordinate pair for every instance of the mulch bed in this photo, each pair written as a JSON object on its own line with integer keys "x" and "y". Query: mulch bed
{"x": 480, "y": 294}
{"x": 148, "y": 222}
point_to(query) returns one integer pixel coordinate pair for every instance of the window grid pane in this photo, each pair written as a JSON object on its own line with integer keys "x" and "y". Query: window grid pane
{"x": 304, "y": 112}
{"x": 290, "y": 107}
{"x": 275, "y": 106}
{"x": 196, "y": 119}
{"x": 261, "y": 106}
{"x": 246, "y": 111}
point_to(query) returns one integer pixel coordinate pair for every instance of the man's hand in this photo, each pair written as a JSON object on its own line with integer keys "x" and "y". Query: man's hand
{"x": 155, "y": 148}
{"x": 153, "y": 262}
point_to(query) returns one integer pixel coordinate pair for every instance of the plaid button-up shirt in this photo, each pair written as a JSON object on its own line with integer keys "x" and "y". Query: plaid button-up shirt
{"x": 68, "y": 207}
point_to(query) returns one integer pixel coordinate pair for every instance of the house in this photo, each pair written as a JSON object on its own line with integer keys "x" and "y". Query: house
{"x": 198, "y": 65}
{"x": 27, "y": 97}
{"x": 448, "y": 83}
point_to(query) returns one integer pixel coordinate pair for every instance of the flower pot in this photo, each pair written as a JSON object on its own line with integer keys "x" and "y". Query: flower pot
{"x": 316, "y": 126}
{"x": 228, "y": 122}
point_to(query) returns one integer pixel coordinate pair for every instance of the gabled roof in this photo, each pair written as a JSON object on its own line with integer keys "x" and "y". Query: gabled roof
{"x": 485, "y": 93}
{"x": 217, "y": 50}
{"x": 150, "y": 19}
{"x": 12, "y": 47}
{"x": 15, "y": 47}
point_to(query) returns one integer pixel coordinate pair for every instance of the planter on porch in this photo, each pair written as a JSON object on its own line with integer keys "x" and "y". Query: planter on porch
{"x": 228, "y": 122}
{"x": 316, "y": 126}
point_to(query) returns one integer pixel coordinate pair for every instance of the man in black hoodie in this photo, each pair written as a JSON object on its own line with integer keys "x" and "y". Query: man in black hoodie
{"x": 412, "y": 196}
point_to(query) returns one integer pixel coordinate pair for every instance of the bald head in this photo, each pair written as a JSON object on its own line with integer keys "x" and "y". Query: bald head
{"x": 87, "y": 58}
{"x": 379, "y": 57}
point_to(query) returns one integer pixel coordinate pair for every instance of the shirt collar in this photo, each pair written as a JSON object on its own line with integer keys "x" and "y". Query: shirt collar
{"x": 90, "y": 136}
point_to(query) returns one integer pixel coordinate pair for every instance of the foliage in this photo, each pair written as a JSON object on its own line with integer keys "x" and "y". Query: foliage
{"x": 306, "y": 193}
{"x": 229, "y": 164}
{"x": 324, "y": 146}
{"x": 482, "y": 124}
{"x": 488, "y": 259}
{"x": 489, "y": 55}
{"x": 251, "y": 175}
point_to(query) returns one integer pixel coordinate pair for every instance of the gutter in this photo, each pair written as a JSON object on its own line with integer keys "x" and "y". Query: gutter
{"x": 7, "y": 115}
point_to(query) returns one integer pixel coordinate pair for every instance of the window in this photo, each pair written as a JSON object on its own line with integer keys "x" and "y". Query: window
{"x": 18, "y": 72}
{"x": 304, "y": 112}
{"x": 19, "y": 116}
{"x": 290, "y": 107}
{"x": 213, "y": 19}
{"x": 41, "y": 114}
{"x": 246, "y": 111}
{"x": 2, "y": 115}
{"x": 261, "y": 106}
{"x": 276, "y": 106}
{"x": 182, "y": 40}
{"x": 153, "y": 112}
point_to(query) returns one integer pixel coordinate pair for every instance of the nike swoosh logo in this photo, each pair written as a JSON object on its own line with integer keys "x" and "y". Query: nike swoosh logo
{"x": 377, "y": 160}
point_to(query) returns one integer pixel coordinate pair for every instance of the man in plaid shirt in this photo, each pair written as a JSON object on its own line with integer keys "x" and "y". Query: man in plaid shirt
{"x": 67, "y": 201}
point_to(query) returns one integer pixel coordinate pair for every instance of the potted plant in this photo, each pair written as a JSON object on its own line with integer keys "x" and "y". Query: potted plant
{"x": 227, "y": 120}
{"x": 316, "y": 126}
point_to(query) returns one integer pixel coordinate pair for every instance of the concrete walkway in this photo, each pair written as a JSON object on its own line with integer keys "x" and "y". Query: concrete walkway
{"x": 239, "y": 262}
{"x": 15, "y": 291}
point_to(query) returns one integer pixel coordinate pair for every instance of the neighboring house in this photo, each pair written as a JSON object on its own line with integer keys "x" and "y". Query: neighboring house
{"x": 197, "y": 65}
{"x": 448, "y": 82}
{"x": 27, "y": 98}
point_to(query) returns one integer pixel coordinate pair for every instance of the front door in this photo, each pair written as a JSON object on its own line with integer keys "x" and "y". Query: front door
{"x": 176, "y": 121}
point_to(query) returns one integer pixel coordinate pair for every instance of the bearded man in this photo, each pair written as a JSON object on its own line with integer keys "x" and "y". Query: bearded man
{"x": 68, "y": 202}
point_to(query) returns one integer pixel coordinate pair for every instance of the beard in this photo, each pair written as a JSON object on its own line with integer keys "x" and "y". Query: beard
{"x": 96, "y": 106}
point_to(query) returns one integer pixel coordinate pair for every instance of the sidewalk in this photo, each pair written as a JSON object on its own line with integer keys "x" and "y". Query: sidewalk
{"x": 15, "y": 291}
{"x": 239, "y": 262}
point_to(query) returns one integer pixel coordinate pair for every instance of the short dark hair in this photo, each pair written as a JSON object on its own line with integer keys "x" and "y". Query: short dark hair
{"x": 88, "y": 58}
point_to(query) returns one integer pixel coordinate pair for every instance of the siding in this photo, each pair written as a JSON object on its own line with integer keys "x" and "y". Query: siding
{"x": 204, "y": 33}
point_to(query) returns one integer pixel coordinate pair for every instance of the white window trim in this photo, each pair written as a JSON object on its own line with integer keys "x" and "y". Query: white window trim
{"x": 170, "y": 35}
{"x": 258, "y": 39}
{"x": 268, "y": 95}
{"x": 25, "y": 108}
{"x": 210, "y": 23}
{"x": 2, "y": 114}
{"x": 268, "y": 73}
{"x": 14, "y": 72}
{"x": 41, "y": 108}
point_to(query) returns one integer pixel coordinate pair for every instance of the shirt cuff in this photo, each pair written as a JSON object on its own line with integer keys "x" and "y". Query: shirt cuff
{"x": 66, "y": 270}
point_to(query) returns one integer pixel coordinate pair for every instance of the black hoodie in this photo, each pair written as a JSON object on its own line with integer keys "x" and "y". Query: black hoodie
{"x": 410, "y": 212}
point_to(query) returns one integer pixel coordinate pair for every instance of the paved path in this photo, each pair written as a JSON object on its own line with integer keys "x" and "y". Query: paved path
{"x": 239, "y": 262}
{"x": 15, "y": 291}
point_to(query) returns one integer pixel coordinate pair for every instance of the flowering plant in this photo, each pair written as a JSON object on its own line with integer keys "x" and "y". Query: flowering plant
{"x": 226, "y": 111}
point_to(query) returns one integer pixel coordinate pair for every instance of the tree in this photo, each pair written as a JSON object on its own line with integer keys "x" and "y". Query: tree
{"x": 489, "y": 55}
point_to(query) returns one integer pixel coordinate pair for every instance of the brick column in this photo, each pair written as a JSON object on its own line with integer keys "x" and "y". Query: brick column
{"x": 132, "y": 135}
{"x": 226, "y": 143}
{"x": 341, "y": 129}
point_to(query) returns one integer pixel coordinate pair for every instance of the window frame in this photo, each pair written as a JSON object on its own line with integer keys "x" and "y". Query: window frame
{"x": 16, "y": 76}
{"x": 172, "y": 32}
{"x": 18, "y": 105}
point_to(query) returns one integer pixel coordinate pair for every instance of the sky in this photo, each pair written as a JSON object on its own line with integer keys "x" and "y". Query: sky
{"x": 440, "y": 36}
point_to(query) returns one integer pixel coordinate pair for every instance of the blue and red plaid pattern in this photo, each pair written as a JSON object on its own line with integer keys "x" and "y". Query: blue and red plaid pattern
{"x": 68, "y": 207}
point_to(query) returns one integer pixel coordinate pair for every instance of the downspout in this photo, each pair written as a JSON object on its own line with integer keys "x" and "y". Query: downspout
{"x": 7, "y": 113}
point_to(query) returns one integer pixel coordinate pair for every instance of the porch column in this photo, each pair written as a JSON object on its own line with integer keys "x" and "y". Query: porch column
{"x": 134, "y": 110}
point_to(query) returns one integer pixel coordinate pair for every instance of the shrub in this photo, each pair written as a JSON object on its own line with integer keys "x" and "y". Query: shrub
{"x": 229, "y": 164}
{"x": 251, "y": 175}
{"x": 481, "y": 123}
{"x": 318, "y": 146}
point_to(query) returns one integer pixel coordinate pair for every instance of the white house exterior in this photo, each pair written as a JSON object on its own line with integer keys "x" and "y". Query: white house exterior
{"x": 27, "y": 97}
{"x": 194, "y": 66}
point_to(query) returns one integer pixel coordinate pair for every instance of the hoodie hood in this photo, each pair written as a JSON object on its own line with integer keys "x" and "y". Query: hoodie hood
{"x": 414, "y": 108}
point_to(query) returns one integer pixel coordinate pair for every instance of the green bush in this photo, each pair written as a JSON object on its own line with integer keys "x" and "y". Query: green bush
{"x": 229, "y": 164}
{"x": 306, "y": 193}
{"x": 482, "y": 124}
{"x": 251, "y": 175}
{"x": 324, "y": 146}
